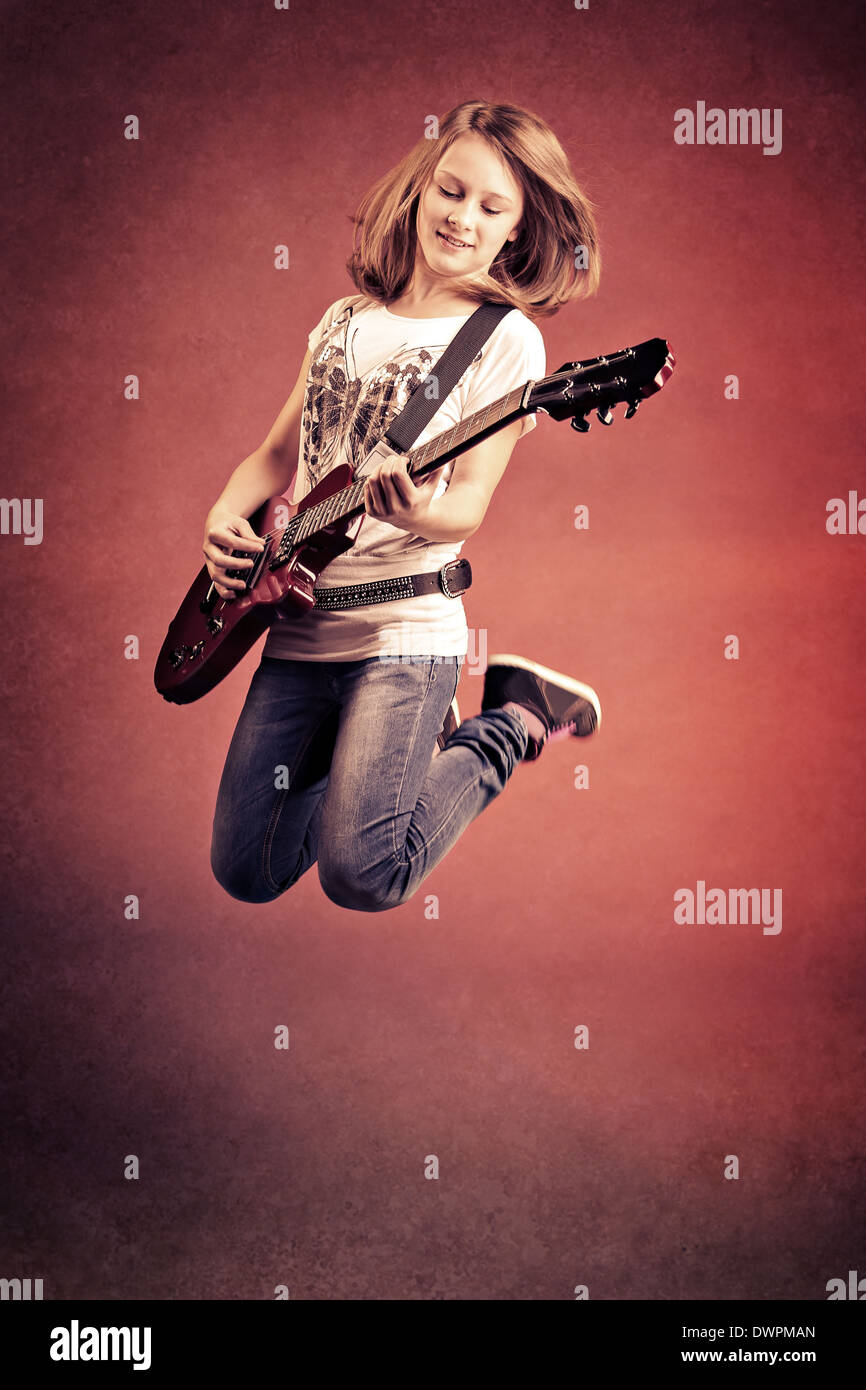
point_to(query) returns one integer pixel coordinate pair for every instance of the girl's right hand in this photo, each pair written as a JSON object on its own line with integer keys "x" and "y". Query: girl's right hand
{"x": 223, "y": 533}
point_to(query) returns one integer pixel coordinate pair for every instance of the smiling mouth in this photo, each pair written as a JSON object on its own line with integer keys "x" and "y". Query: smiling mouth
{"x": 452, "y": 241}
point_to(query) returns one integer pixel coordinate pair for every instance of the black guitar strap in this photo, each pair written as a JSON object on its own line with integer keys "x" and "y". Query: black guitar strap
{"x": 447, "y": 371}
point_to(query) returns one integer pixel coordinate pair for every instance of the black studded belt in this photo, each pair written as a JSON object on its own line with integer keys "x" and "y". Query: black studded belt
{"x": 453, "y": 579}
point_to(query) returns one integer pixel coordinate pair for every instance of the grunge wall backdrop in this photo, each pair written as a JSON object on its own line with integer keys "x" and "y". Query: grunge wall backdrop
{"x": 700, "y": 1138}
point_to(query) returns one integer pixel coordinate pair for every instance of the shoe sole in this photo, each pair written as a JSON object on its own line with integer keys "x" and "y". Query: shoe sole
{"x": 567, "y": 682}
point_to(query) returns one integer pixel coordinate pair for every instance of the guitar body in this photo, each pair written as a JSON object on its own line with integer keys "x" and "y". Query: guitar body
{"x": 209, "y": 635}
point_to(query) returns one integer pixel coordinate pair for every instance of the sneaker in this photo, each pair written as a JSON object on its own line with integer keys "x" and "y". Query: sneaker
{"x": 452, "y": 720}
{"x": 563, "y": 704}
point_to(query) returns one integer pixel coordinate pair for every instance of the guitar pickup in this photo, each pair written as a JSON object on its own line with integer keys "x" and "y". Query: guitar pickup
{"x": 250, "y": 577}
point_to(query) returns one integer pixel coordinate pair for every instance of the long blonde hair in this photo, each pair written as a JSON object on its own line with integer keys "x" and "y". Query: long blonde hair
{"x": 555, "y": 255}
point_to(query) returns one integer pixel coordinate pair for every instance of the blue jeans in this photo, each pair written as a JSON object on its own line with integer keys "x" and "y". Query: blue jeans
{"x": 332, "y": 762}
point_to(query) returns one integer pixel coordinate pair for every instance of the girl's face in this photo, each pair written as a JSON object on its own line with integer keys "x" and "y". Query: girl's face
{"x": 472, "y": 198}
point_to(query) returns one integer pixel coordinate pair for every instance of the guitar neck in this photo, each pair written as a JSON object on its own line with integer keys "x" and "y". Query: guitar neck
{"x": 629, "y": 374}
{"x": 349, "y": 501}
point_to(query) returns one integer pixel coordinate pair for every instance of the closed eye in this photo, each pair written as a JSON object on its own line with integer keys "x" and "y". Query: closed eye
{"x": 491, "y": 212}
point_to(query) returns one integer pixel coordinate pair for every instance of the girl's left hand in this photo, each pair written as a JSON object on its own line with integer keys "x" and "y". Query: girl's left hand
{"x": 391, "y": 495}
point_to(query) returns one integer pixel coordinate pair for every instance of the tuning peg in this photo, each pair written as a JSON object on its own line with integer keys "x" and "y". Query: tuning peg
{"x": 632, "y": 409}
{"x": 580, "y": 423}
{"x": 605, "y": 416}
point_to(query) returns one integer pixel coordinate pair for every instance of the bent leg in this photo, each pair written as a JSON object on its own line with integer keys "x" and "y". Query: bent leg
{"x": 268, "y": 809}
{"x": 391, "y": 811}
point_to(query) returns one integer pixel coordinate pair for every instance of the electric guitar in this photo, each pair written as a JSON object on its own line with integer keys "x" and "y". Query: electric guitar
{"x": 210, "y": 635}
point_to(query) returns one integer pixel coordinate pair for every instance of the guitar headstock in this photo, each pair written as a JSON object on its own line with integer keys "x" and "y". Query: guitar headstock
{"x": 629, "y": 375}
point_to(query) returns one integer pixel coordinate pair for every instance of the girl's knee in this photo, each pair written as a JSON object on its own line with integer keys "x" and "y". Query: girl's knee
{"x": 240, "y": 884}
{"x": 347, "y": 890}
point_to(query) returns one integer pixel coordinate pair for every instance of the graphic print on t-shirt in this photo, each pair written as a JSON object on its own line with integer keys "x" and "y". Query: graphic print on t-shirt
{"x": 345, "y": 414}
{"x": 364, "y": 363}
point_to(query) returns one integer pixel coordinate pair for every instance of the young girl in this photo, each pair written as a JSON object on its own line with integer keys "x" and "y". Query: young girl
{"x": 336, "y": 755}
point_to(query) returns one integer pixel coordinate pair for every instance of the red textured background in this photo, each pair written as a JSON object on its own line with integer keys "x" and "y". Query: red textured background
{"x": 707, "y": 517}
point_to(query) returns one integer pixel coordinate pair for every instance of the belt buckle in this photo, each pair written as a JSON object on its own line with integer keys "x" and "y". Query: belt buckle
{"x": 443, "y": 582}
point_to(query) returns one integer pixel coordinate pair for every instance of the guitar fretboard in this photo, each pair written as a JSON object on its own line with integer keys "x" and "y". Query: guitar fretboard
{"x": 349, "y": 500}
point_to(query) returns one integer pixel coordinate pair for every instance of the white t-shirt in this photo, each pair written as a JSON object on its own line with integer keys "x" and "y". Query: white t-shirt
{"x": 365, "y": 364}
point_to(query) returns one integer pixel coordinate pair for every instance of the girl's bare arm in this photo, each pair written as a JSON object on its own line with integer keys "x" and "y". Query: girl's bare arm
{"x": 266, "y": 472}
